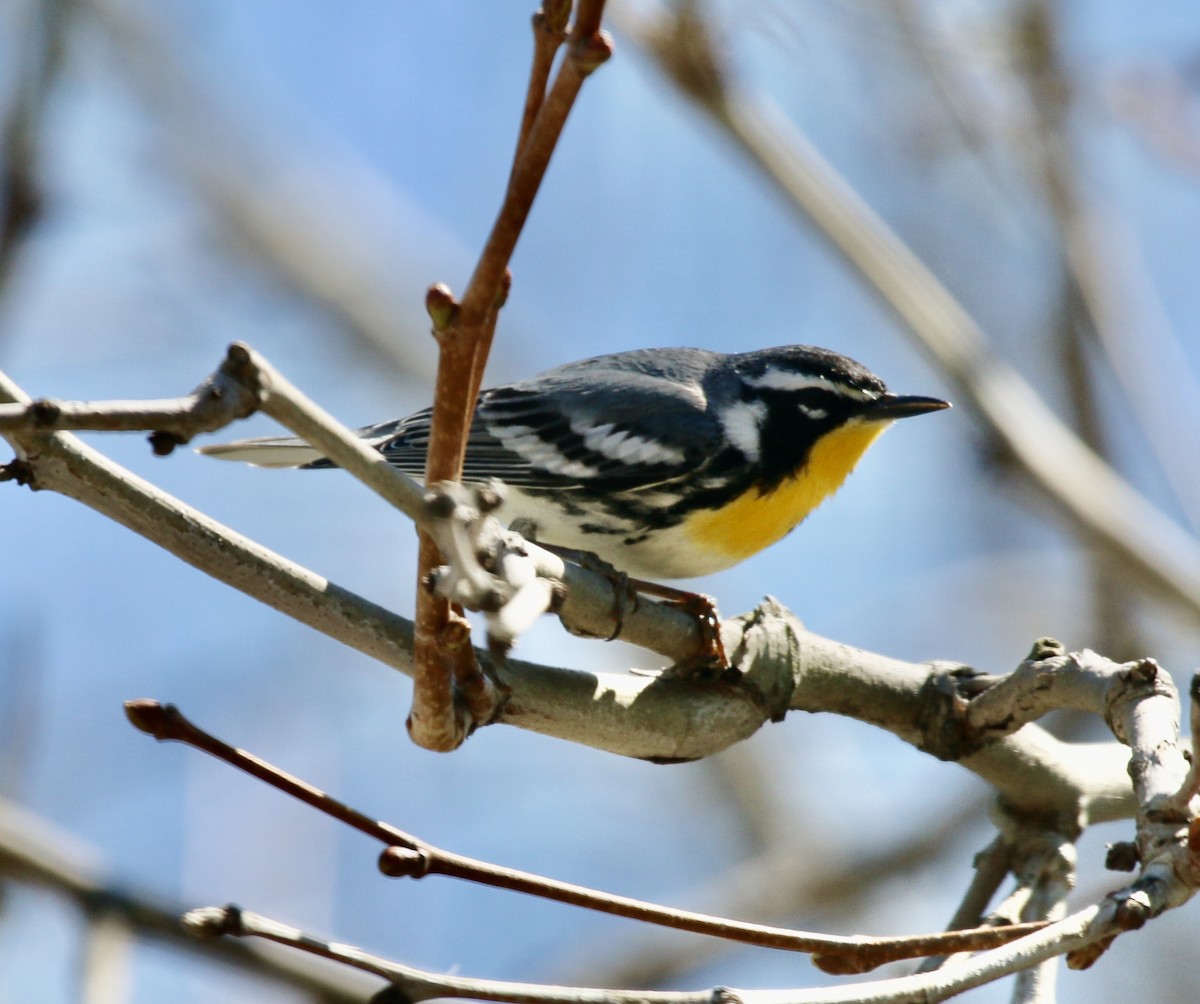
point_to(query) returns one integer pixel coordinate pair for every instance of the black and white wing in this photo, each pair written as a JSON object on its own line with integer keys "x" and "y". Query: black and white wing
{"x": 613, "y": 423}
{"x": 568, "y": 430}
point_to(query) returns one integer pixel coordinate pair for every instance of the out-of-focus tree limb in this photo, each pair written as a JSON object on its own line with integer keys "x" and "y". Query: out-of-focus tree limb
{"x": 328, "y": 222}
{"x": 35, "y": 852}
{"x": 1091, "y": 497}
{"x": 39, "y": 53}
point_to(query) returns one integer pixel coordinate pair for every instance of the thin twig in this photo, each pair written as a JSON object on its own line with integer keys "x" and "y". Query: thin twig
{"x": 549, "y": 33}
{"x": 411, "y": 857}
{"x": 223, "y": 398}
{"x": 1085, "y": 928}
{"x": 416, "y": 984}
{"x": 464, "y": 332}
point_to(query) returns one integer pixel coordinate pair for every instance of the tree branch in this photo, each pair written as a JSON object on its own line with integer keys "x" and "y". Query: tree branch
{"x": 1085, "y": 928}
{"x": 32, "y": 851}
{"x": 407, "y": 856}
{"x": 443, "y": 661}
{"x": 779, "y": 665}
{"x": 945, "y": 709}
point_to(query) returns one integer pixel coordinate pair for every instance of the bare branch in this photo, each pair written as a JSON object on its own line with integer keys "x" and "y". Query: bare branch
{"x": 64, "y": 464}
{"x": 1085, "y": 928}
{"x": 780, "y": 665}
{"x": 416, "y": 984}
{"x": 464, "y": 332}
{"x": 549, "y": 33}
{"x": 223, "y": 398}
{"x": 407, "y": 856}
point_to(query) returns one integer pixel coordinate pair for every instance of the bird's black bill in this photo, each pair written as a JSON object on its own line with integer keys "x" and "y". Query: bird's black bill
{"x": 892, "y": 406}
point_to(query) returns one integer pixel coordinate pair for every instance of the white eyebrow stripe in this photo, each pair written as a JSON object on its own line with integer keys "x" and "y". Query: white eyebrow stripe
{"x": 742, "y": 422}
{"x": 784, "y": 380}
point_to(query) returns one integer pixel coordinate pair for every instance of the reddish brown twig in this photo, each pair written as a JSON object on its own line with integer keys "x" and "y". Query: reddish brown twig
{"x": 464, "y": 332}
{"x": 409, "y": 856}
{"x": 549, "y": 33}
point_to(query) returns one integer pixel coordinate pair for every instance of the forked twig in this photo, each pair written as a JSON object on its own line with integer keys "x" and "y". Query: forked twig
{"x": 442, "y": 656}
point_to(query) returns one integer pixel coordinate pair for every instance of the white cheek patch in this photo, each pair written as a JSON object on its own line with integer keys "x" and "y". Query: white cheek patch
{"x": 742, "y": 423}
{"x": 626, "y": 447}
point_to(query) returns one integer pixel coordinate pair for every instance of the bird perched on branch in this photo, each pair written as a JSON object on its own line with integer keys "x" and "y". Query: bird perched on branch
{"x": 667, "y": 463}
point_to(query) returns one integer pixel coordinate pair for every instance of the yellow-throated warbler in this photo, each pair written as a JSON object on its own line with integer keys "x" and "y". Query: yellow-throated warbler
{"x": 667, "y": 463}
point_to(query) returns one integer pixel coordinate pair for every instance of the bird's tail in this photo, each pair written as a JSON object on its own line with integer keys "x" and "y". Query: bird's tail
{"x": 270, "y": 451}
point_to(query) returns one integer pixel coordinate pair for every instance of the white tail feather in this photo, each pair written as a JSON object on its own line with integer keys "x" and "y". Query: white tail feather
{"x": 264, "y": 452}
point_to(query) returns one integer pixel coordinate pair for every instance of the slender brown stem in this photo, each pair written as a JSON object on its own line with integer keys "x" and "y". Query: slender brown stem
{"x": 464, "y": 332}
{"x": 409, "y": 856}
{"x": 991, "y": 866}
{"x": 549, "y": 33}
{"x": 588, "y": 15}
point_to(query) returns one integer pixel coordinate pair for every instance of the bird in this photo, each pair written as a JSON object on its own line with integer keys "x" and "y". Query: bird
{"x": 665, "y": 463}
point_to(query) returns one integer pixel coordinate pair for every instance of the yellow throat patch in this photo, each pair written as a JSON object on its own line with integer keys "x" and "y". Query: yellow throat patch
{"x": 753, "y": 521}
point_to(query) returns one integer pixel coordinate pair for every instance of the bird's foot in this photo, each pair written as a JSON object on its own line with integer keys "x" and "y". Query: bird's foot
{"x": 709, "y": 659}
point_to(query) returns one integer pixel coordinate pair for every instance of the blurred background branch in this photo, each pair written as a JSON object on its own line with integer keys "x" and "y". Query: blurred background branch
{"x": 34, "y": 852}
{"x": 38, "y": 63}
{"x": 1090, "y": 495}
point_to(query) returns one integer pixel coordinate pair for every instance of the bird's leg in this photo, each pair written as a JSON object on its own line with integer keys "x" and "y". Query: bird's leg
{"x": 625, "y": 589}
{"x": 704, "y": 609}
{"x": 629, "y": 592}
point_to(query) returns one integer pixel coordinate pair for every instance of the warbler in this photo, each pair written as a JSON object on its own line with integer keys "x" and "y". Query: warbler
{"x": 666, "y": 463}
